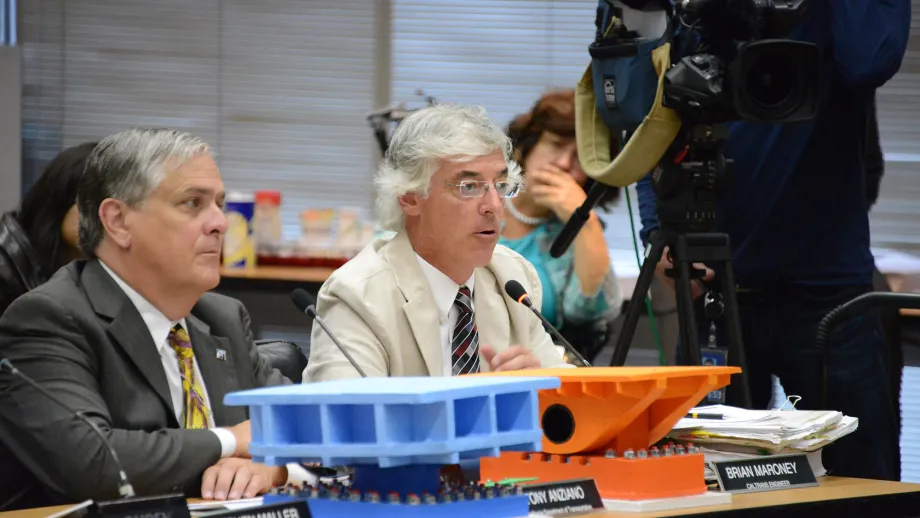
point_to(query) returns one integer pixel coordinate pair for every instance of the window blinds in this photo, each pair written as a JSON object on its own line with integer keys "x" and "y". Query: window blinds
{"x": 280, "y": 88}
{"x": 895, "y": 219}
{"x": 501, "y": 54}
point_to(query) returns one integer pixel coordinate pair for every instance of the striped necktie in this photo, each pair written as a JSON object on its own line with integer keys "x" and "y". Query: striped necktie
{"x": 196, "y": 410}
{"x": 464, "y": 343}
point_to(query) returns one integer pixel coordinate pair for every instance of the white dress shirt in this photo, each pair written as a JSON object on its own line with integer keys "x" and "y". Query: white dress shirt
{"x": 445, "y": 291}
{"x": 159, "y": 327}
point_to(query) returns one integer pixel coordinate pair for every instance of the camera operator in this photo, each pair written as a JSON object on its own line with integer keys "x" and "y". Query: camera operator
{"x": 796, "y": 214}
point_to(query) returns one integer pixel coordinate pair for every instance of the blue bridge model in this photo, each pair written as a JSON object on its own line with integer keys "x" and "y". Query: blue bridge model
{"x": 397, "y": 433}
{"x": 391, "y": 422}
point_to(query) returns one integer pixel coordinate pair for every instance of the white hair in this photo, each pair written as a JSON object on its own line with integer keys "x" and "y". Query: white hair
{"x": 128, "y": 166}
{"x": 425, "y": 138}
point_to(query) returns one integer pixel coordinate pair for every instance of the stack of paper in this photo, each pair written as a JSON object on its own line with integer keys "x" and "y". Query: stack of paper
{"x": 767, "y": 431}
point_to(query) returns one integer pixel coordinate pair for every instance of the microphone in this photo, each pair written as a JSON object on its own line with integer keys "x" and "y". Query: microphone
{"x": 124, "y": 487}
{"x": 305, "y": 303}
{"x": 581, "y": 215}
{"x": 518, "y": 293}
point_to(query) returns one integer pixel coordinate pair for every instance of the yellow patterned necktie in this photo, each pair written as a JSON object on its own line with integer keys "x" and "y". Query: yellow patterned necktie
{"x": 196, "y": 410}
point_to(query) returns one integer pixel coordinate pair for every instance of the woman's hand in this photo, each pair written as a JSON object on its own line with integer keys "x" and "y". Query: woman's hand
{"x": 555, "y": 189}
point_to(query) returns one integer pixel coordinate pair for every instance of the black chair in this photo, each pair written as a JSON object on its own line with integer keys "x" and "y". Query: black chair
{"x": 285, "y": 356}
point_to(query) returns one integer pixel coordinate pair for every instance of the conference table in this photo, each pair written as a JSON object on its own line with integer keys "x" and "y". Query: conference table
{"x": 834, "y": 496}
{"x": 271, "y": 285}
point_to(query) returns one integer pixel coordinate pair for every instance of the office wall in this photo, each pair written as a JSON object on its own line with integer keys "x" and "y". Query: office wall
{"x": 10, "y": 127}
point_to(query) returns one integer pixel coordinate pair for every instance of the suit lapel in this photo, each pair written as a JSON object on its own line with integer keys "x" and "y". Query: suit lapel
{"x": 492, "y": 318}
{"x": 420, "y": 308}
{"x": 425, "y": 324}
{"x": 214, "y": 371}
{"x": 127, "y": 329}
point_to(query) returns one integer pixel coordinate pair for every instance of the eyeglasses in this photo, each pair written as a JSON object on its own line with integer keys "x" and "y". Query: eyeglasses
{"x": 478, "y": 188}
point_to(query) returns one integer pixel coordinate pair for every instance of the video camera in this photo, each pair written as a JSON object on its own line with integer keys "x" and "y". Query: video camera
{"x": 663, "y": 102}
{"x": 740, "y": 69}
{"x": 707, "y": 62}
{"x": 730, "y": 65}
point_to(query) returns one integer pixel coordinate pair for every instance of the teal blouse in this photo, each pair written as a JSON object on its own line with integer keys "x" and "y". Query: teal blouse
{"x": 563, "y": 300}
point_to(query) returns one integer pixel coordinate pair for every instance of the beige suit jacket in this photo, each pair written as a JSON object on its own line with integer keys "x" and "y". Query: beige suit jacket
{"x": 381, "y": 308}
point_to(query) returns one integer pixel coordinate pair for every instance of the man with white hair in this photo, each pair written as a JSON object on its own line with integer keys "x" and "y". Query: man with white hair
{"x": 130, "y": 339}
{"x": 430, "y": 301}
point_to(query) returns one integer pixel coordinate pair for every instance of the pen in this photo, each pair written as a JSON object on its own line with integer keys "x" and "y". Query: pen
{"x": 697, "y": 415}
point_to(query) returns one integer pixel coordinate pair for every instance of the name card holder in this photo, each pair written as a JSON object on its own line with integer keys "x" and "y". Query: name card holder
{"x": 288, "y": 509}
{"x": 564, "y": 496}
{"x": 163, "y": 506}
{"x": 764, "y": 473}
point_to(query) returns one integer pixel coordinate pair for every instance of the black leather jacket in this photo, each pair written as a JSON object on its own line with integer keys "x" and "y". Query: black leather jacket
{"x": 19, "y": 273}
{"x": 19, "y": 268}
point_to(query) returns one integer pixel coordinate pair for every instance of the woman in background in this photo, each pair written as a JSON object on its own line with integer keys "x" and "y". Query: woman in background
{"x": 41, "y": 236}
{"x": 580, "y": 292}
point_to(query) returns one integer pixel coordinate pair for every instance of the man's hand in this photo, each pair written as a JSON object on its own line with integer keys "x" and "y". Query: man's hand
{"x": 243, "y": 435}
{"x": 556, "y": 190}
{"x": 514, "y": 358}
{"x": 234, "y": 478}
{"x": 696, "y": 286}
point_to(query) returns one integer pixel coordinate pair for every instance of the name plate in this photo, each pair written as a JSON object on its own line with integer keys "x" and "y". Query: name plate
{"x": 764, "y": 473}
{"x": 166, "y": 506}
{"x": 563, "y": 497}
{"x": 291, "y": 509}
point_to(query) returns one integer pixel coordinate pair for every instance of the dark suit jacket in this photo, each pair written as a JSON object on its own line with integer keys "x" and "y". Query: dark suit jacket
{"x": 81, "y": 338}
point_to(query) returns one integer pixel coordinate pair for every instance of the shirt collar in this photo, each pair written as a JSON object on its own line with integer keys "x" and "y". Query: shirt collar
{"x": 156, "y": 321}
{"x": 443, "y": 287}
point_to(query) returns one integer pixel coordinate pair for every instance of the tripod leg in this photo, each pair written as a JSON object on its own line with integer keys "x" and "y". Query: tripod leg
{"x": 689, "y": 340}
{"x": 736, "y": 352}
{"x": 637, "y": 302}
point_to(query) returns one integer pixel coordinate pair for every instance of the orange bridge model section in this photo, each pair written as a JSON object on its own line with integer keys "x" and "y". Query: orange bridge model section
{"x": 599, "y": 417}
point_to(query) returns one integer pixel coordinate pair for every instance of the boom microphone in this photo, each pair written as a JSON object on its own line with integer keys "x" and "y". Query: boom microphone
{"x": 519, "y": 294}
{"x": 306, "y": 303}
{"x": 578, "y": 219}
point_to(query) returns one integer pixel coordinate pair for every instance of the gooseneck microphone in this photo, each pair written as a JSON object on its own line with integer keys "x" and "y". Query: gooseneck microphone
{"x": 124, "y": 487}
{"x": 306, "y": 303}
{"x": 518, "y": 293}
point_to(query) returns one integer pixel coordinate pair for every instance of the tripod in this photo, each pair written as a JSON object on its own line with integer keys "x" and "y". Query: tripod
{"x": 687, "y": 182}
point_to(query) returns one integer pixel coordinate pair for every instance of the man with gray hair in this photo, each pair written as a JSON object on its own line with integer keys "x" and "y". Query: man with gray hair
{"x": 430, "y": 301}
{"x": 130, "y": 338}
